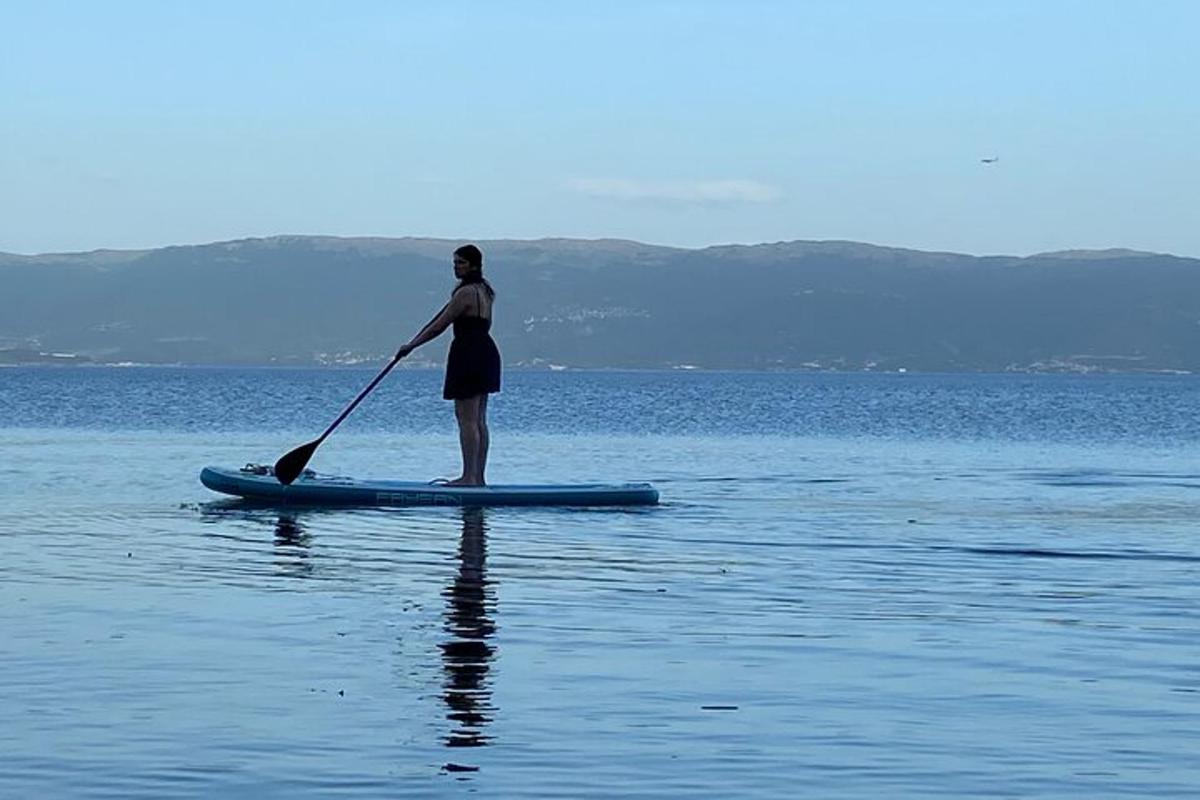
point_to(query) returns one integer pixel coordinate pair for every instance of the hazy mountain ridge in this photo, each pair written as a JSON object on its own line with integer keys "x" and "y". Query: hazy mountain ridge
{"x": 610, "y": 303}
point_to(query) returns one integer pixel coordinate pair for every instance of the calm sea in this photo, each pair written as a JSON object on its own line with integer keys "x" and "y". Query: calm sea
{"x": 858, "y": 586}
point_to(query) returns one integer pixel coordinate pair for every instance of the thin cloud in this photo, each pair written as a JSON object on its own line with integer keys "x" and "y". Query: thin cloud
{"x": 724, "y": 191}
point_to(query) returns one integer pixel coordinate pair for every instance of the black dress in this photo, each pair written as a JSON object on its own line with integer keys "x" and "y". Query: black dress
{"x": 473, "y": 366}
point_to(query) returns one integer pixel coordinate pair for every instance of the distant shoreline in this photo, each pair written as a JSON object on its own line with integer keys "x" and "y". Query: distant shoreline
{"x": 86, "y": 364}
{"x": 799, "y": 306}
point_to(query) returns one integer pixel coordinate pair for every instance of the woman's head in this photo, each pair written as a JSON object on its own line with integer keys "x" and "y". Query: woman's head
{"x": 468, "y": 267}
{"x": 468, "y": 261}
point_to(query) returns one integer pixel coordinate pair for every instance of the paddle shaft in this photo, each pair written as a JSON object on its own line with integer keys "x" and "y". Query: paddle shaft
{"x": 357, "y": 400}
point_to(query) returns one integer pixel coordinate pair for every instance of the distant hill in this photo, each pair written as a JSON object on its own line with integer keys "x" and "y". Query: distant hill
{"x": 610, "y": 303}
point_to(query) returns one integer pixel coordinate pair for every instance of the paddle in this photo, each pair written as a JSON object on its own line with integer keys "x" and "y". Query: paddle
{"x": 289, "y": 467}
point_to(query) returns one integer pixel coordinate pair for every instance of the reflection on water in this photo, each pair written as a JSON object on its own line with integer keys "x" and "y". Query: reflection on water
{"x": 470, "y": 597}
{"x": 467, "y": 654}
{"x": 291, "y": 547}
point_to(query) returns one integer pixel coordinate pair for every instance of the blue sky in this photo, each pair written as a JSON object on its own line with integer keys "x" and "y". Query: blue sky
{"x": 138, "y": 124}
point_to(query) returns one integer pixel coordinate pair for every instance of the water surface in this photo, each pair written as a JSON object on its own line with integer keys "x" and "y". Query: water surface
{"x": 857, "y": 586}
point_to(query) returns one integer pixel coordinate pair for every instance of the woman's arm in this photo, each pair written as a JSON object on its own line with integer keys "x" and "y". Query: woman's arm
{"x": 436, "y": 326}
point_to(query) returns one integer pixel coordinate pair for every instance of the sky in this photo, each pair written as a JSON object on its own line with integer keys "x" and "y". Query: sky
{"x": 143, "y": 124}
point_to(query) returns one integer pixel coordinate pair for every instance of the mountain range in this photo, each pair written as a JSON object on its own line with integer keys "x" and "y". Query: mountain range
{"x": 566, "y": 303}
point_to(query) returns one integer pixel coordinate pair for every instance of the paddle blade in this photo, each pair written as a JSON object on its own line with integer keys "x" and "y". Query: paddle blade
{"x": 288, "y": 468}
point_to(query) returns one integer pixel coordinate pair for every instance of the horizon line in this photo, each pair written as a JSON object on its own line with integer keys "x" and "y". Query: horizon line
{"x": 1111, "y": 252}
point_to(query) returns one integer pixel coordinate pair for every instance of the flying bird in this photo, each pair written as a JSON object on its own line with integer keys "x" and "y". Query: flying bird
{"x": 991, "y": 160}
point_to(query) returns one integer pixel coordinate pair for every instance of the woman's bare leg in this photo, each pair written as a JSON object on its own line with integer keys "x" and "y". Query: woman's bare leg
{"x": 484, "y": 441}
{"x": 466, "y": 411}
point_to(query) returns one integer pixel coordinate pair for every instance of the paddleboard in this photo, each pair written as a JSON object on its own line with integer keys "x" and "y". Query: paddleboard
{"x": 254, "y": 482}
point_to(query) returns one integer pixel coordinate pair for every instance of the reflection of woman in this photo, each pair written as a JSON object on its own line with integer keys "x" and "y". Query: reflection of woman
{"x": 467, "y": 655}
{"x": 473, "y": 366}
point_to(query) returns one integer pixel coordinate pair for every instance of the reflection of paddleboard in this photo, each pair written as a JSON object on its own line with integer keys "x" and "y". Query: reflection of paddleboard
{"x": 257, "y": 483}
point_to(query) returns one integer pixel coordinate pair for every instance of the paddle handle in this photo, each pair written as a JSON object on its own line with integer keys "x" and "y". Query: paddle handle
{"x": 359, "y": 399}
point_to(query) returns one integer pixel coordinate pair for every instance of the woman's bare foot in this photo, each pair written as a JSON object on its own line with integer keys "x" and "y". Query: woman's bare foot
{"x": 463, "y": 482}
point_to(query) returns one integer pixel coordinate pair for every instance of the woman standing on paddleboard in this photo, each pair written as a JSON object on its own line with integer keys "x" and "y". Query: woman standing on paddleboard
{"x": 473, "y": 366}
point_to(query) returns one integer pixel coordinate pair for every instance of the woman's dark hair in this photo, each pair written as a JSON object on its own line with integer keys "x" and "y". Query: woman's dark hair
{"x": 474, "y": 258}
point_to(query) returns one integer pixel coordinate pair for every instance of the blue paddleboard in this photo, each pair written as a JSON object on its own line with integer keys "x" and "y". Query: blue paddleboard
{"x": 257, "y": 483}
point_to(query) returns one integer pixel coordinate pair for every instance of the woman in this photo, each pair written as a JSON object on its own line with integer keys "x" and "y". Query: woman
{"x": 473, "y": 366}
